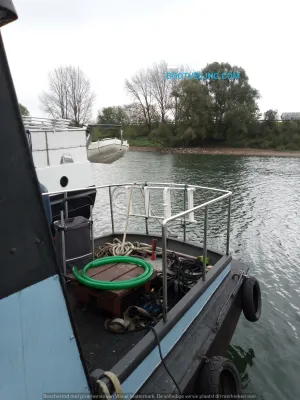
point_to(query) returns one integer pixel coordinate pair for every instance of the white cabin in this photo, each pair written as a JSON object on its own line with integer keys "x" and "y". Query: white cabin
{"x": 62, "y": 154}
{"x": 59, "y": 154}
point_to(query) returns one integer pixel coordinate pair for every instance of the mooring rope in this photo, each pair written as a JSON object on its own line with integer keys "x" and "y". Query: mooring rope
{"x": 123, "y": 248}
{"x": 103, "y": 390}
{"x": 118, "y": 248}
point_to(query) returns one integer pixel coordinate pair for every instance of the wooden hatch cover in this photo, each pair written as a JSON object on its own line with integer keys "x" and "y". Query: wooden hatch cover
{"x": 114, "y": 301}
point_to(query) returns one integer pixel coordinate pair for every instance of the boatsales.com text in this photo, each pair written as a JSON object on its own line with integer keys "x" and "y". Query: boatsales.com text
{"x": 214, "y": 76}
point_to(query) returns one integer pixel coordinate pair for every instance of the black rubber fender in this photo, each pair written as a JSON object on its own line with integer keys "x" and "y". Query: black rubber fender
{"x": 251, "y": 299}
{"x": 219, "y": 376}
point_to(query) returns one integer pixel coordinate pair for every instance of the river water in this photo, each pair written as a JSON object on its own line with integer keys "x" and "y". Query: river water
{"x": 265, "y": 231}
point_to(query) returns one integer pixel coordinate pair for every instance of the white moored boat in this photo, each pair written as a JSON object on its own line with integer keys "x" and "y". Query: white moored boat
{"x": 107, "y": 151}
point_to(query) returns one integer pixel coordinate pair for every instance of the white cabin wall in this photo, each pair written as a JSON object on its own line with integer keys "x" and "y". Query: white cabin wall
{"x": 39, "y": 159}
{"x": 59, "y": 143}
{"x": 66, "y": 139}
{"x": 38, "y": 140}
{"x": 79, "y": 175}
{"x": 78, "y": 155}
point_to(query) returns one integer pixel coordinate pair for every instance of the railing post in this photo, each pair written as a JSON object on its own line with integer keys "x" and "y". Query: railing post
{"x": 164, "y": 271}
{"x": 228, "y": 226}
{"x": 47, "y": 149}
{"x": 205, "y": 244}
{"x": 146, "y": 212}
{"x": 92, "y": 230}
{"x": 184, "y": 218}
{"x": 66, "y": 205}
{"x": 111, "y": 212}
{"x": 63, "y": 243}
{"x": 146, "y": 224}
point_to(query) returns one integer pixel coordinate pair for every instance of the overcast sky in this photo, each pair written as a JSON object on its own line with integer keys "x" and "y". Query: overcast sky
{"x": 111, "y": 40}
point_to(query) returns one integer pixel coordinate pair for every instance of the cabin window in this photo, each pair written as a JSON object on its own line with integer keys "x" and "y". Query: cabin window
{"x": 66, "y": 159}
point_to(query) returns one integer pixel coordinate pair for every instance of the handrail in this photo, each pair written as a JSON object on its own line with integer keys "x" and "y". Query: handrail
{"x": 138, "y": 184}
{"x": 164, "y": 243}
{"x": 175, "y": 186}
{"x": 106, "y": 126}
{"x": 183, "y": 213}
{"x": 45, "y": 123}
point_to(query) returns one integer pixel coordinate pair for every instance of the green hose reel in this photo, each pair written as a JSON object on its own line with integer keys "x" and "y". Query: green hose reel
{"x": 84, "y": 279}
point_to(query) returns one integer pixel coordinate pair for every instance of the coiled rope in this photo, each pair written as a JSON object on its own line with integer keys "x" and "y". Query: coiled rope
{"x": 118, "y": 248}
{"x": 103, "y": 390}
{"x": 119, "y": 253}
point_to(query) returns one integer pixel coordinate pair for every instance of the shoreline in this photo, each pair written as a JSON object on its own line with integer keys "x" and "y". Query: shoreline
{"x": 218, "y": 151}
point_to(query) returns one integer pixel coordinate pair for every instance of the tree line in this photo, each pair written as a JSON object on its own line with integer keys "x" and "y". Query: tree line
{"x": 190, "y": 112}
{"x": 168, "y": 112}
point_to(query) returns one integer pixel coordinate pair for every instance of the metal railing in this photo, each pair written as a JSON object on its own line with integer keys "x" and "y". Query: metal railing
{"x": 164, "y": 241}
{"x": 224, "y": 194}
{"x": 48, "y": 124}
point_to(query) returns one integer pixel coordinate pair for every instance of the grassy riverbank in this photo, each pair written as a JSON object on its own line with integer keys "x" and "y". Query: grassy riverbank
{"x": 143, "y": 144}
{"x": 284, "y": 145}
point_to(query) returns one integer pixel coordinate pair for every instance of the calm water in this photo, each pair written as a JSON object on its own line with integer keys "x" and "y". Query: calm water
{"x": 265, "y": 232}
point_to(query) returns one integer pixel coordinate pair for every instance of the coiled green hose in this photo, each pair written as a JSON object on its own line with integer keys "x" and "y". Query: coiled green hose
{"x": 118, "y": 285}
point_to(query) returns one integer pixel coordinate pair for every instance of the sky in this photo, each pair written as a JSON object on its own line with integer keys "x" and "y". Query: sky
{"x": 111, "y": 40}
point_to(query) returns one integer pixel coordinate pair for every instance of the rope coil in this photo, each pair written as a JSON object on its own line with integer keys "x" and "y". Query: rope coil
{"x": 118, "y": 248}
{"x": 103, "y": 389}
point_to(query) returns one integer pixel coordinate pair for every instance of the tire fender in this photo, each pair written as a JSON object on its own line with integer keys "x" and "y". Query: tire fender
{"x": 251, "y": 299}
{"x": 219, "y": 376}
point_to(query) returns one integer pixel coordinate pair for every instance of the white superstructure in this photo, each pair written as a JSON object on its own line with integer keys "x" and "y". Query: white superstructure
{"x": 59, "y": 154}
{"x": 63, "y": 154}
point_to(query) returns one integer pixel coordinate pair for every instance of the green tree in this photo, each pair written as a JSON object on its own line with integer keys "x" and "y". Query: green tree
{"x": 112, "y": 115}
{"x": 194, "y": 112}
{"x": 23, "y": 110}
{"x": 271, "y": 115}
{"x": 234, "y": 101}
{"x": 269, "y": 126}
